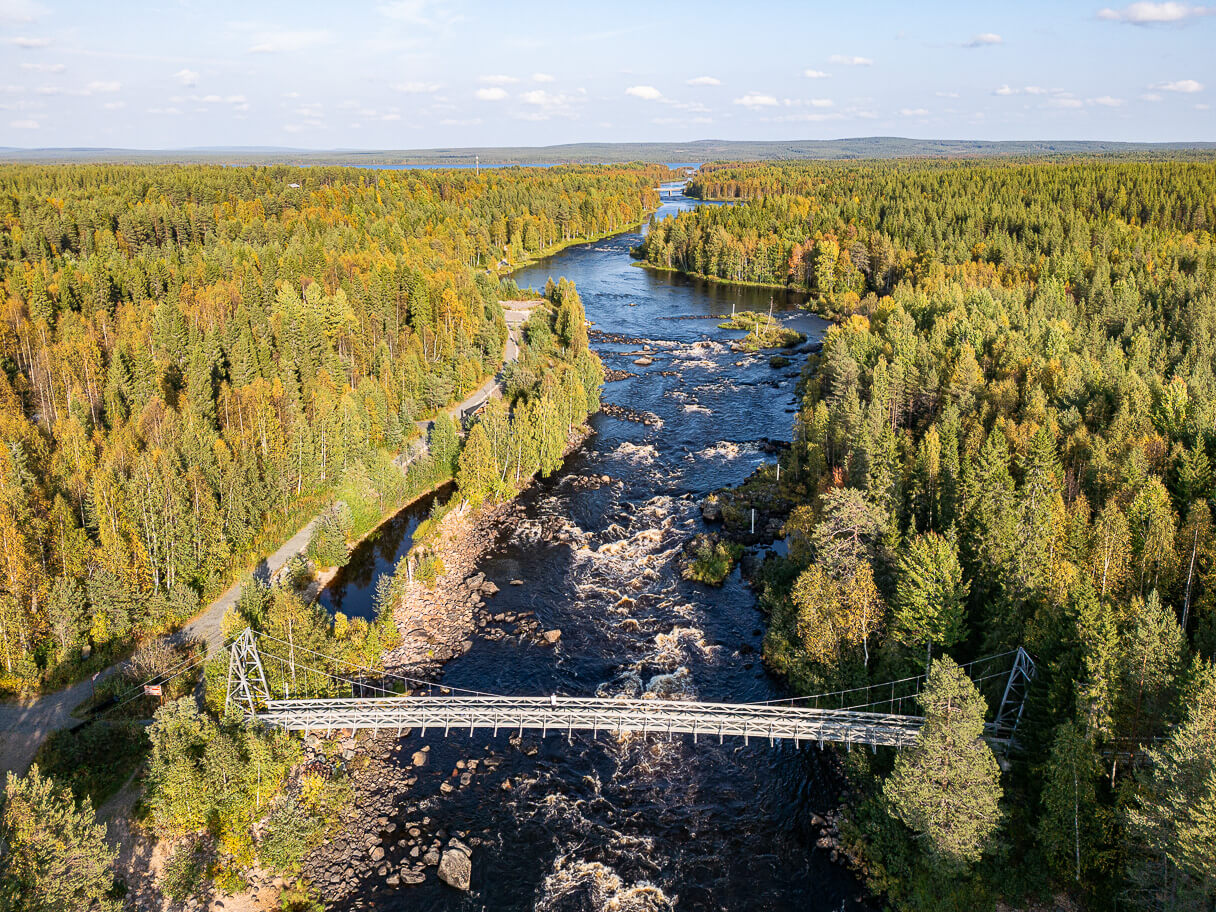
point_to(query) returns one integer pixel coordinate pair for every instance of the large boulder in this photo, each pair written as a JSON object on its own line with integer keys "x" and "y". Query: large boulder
{"x": 456, "y": 865}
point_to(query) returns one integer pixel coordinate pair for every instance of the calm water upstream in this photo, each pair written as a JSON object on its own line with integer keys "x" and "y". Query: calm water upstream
{"x": 597, "y": 824}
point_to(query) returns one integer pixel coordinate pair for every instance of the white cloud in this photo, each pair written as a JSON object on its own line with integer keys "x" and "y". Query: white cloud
{"x": 417, "y": 12}
{"x": 948, "y": 94}
{"x": 985, "y": 39}
{"x": 498, "y": 79}
{"x": 1027, "y": 90}
{"x": 494, "y": 94}
{"x": 704, "y": 81}
{"x": 24, "y": 124}
{"x": 13, "y": 11}
{"x": 816, "y": 74}
{"x": 543, "y": 77}
{"x": 470, "y": 122}
{"x": 809, "y": 102}
{"x": 1107, "y": 101}
{"x": 1154, "y": 13}
{"x": 102, "y": 87}
{"x": 649, "y": 93}
{"x": 44, "y": 67}
{"x": 1187, "y": 86}
{"x": 114, "y": 105}
{"x": 1203, "y": 107}
{"x": 290, "y": 41}
{"x": 913, "y": 112}
{"x": 756, "y": 100}
{"x": 1150, "y": 96}
{"x": 173, "y": 112}
{"x": 390, "y": 116}
{"x": 846, "y": 60}
{"x": 418, "y": 88}
{"x": 188, "y": 78}
{"x": 543, "y": 99}
{"x": 1064, "y": 101}
{"x": 26, "y": 43}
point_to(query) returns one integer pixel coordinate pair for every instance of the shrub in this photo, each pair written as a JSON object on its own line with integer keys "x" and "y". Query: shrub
{"x": 328, "y": 547}
{"x": 710, "y": 560}
{"x": 183, "y": 871}
{"x": 95, "y": 760}
{"x": 430, "y": 568}
{"x": 290, "y": 832}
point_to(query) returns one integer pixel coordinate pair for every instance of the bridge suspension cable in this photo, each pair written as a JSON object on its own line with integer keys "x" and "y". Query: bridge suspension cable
{"x": 375, "y": 703}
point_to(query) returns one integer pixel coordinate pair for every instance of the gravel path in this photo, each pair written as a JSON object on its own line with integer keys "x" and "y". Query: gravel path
{"x": 26, "y": 722}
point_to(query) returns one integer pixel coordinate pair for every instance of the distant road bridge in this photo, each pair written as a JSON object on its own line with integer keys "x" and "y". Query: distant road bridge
{"x": 322, "y": 703}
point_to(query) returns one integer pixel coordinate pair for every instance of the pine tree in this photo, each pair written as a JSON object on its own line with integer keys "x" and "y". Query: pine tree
{"x": 54, "y": 857}
{"x": 947, "y": 788}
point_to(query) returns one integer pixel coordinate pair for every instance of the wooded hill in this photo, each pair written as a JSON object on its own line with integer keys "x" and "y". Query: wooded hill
{"x": 194, "y": 358}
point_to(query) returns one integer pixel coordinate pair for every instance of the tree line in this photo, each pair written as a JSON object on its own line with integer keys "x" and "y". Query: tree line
{"x": 1007, "y": 440}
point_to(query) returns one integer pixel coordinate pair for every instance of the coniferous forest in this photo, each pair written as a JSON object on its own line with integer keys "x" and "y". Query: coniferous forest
{"x": 195, "y": 359}
{"x": 1008, "y": 439}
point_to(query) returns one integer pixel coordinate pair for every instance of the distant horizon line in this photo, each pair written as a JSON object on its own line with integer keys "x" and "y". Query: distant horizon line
{"x": 679, "y": 152}
{"x": 592, "y": 142}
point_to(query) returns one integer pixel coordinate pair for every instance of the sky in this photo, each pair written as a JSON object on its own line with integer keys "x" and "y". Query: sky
{"x": 402, "y": 74}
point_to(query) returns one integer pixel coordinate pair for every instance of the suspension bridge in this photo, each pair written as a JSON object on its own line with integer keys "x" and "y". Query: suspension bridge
{"x": 279, "y": 683}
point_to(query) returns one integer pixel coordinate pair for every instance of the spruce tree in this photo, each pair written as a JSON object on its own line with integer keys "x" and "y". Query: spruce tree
{"x": 1069, "y": 827}
{"x": 930, "y": 595}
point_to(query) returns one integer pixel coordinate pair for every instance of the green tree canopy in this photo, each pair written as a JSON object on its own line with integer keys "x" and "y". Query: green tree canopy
{"x": 947, "y": 788}
{"x": 53, "y": 857}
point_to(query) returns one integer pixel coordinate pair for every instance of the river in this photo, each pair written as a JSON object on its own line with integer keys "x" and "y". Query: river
{"x": 646, "y": 824}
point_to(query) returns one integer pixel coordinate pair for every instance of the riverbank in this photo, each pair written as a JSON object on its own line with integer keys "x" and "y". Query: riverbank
{"x": 533, "y": 259}
{"x": 436, "y": 620}
{"x": 716, "y": 280}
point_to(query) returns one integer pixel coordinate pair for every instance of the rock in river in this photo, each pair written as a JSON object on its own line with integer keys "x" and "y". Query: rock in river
{"x": 456, "y": 866}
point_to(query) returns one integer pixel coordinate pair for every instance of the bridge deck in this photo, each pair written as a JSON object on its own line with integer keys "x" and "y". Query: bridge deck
{"x": 569, "y": 714}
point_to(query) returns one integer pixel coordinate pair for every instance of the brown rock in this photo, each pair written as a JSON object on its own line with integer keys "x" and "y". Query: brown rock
{"x": 456, "y": 866}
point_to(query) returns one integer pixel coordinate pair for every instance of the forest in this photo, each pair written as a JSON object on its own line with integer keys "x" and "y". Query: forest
{"x": 1008, "y": 439}
{"x": 195, "y": 358}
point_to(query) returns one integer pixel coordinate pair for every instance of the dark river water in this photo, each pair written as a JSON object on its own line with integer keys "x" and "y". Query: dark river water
{"x": 645, "y": 824}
